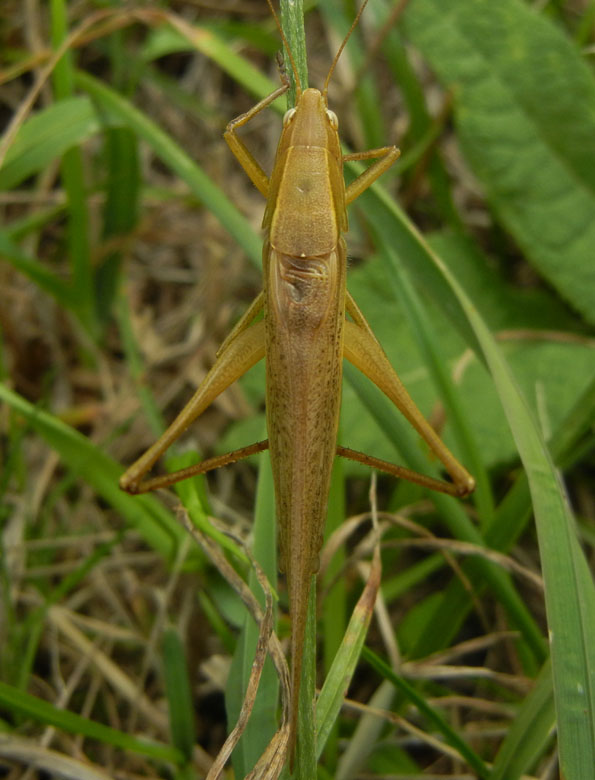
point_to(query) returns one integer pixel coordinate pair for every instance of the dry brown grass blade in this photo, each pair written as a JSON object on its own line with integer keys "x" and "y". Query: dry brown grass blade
{"x": 467, "y": 548}
{"x": 62, "y": 619}
{"x": 42, "y": 759}
{"x": 271, "y": 763}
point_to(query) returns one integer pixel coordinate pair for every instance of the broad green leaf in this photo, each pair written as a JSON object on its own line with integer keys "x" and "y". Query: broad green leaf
{"x": 47, "y": 135}
{"x": 524, "y": 103}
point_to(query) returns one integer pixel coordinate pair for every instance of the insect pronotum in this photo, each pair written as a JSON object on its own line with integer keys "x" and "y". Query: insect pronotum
{"x": 304, "y": 336}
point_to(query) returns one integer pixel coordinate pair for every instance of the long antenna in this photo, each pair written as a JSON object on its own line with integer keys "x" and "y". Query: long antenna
{"x": 341, "y": 47}
{"x": 296, "y": 75}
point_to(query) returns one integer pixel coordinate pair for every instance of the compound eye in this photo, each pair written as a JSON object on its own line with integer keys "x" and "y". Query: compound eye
{"x": 289, "y": 115}
{"x": 332, "y": 118}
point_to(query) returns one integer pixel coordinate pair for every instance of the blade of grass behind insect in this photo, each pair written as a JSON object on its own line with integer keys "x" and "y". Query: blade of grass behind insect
{"x": 530, "y": 732}
{"x": 175, "y": 158}
{"x": 177, "y": 688}
{"x": 152, "y": 521}
{"x": 263, "y": 720}
{"x": 570, "y": 595}
{"x": 120, "y": 213}
{"x": 71, "y": 170}
{"x": 292, "y": 22}
{"x": 305, "y": 768}
{"x": 569, "y": 590}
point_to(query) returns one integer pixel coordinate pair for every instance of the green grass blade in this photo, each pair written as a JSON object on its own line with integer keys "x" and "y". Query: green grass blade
{"x": 571, "y": 607}
{"x": 347, "y": 656}
{"x": 306, "y": 752}
{"x": 530, "y": 732}
{"x": 71, "y": 170}
{"x": 36, "y": 272}
{"x": 292, "y": 22}
{"x": 120, "y": 214}
{"x": 33, "y": 707}
{"x": 570, "y": 595}
{"x": 177, "y": 687}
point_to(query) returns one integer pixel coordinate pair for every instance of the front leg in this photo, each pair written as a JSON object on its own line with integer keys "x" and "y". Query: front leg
{"x": 256, "y": 174}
